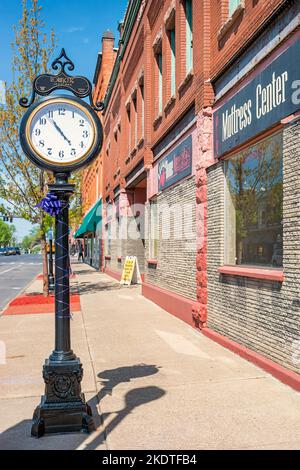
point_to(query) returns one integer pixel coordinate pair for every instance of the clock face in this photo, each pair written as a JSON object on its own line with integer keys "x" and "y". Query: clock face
{"x": 61, "y": 132}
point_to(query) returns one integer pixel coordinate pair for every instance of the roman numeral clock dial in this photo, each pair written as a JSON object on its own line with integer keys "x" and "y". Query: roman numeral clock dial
{"x": 61, "y": 133}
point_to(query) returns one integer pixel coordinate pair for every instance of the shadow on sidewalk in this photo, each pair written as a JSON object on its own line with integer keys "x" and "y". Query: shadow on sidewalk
{"x": 18, "y": 437}
{"x": 112, "y": 378}
{"x": 82, "y": 272}
{"x": 92, "y": 288}
{"x": 133, "y": 399}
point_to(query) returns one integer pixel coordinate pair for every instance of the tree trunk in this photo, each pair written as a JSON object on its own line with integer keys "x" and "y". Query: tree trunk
{"x": 45, "y": 267}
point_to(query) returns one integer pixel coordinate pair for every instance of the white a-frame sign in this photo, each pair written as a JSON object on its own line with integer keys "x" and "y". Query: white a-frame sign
{"x": 131, "y": 271}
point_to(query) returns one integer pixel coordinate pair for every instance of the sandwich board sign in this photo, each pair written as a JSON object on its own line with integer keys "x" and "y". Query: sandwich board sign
{"x": 131, "y": 272}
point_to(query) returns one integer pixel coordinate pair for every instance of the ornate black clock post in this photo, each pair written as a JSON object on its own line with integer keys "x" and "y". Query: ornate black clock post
{"x": 61, "y": 134}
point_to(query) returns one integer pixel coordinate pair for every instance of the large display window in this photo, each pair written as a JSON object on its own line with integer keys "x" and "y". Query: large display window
{"x": 254, "y": 205}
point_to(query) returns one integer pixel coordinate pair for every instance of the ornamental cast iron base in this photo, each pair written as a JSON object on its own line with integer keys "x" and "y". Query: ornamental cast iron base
{"x": 63, "y": 408}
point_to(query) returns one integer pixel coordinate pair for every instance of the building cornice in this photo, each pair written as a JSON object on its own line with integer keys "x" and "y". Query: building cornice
{"x": 276, "y": 12}
{"x": 130, "y": 18}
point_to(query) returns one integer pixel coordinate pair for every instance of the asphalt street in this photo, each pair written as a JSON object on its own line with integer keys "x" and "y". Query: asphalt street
{"x": 16, "y": 272}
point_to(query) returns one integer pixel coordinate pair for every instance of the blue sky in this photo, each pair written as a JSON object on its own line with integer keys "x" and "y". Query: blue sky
{"x": 78, "y": 24}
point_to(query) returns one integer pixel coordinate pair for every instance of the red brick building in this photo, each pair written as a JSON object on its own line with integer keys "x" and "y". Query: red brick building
{"x": 158, "y": 87}
{"x": 199, "y": 112}
{"x": 253, "y": 235}
{"x": 92, "y": 182}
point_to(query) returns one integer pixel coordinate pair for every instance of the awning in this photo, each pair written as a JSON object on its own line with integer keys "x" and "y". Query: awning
{"x": 91, "y": 220}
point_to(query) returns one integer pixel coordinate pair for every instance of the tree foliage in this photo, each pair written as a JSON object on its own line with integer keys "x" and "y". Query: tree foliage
{"x": 22, "y": 185}
{"x": 6, "y": 234}
{"x": 30, "y": 240}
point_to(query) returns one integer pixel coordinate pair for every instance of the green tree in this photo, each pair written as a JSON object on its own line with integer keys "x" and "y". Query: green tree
{"x": 6, "y": 234}
{"x": 30, "y": 240}
{"x": 22, "y": 185}
{"x": 76, "y": 209}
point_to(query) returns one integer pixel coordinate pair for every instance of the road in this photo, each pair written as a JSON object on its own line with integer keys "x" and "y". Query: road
{"x": 16, "y": 272}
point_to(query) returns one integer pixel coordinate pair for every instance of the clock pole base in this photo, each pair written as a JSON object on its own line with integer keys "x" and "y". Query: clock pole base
{"x": 62, "y": 418}
{"x": 63, "y": 408}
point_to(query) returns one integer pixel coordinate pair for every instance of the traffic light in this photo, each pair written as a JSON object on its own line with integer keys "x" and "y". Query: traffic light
{"x": 8, "y": 218}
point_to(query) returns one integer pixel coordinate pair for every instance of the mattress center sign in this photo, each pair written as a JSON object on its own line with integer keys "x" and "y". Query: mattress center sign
{"x": 176, "y": 165}
{"x": 273, "y": 94}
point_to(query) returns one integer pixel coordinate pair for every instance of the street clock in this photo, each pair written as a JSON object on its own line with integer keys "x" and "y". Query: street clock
{"x": 61, "y": 133}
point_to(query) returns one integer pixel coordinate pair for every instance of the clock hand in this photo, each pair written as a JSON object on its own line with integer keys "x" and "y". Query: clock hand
{"x": 60, "y": 131}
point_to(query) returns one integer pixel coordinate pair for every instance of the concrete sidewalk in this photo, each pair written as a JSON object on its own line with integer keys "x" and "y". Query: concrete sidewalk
{"x": 153, "y": 382}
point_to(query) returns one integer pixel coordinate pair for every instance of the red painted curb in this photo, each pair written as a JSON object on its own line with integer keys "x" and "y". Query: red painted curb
{"x": 38, "y": 299}
{"x": 279, "y": 372}
{"x": 27, "y": 304}
{"x": 179, "y": 306}
{"x": 115, "y": 274}
{"x": 37, "y": 309}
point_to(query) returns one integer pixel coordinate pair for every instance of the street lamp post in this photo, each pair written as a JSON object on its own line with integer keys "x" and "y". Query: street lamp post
{"x": 63, "y": 407}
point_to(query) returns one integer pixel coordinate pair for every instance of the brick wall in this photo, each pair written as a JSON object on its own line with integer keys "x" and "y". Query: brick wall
{"x": 176, "y": 268}
{"x": 226, "y": 41}
{"x": 261, "y": 315}
{"x": 138, "y": 60}
{"x": 92, "y": 176}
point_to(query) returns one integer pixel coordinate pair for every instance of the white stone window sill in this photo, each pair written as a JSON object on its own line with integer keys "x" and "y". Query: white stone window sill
{"x": 140, "y": 142}
{"x": 186, "y": 81}
{"x": 232, "y": 20}
{"x": 169, "y": 103}
{"x": 157, "y": 120}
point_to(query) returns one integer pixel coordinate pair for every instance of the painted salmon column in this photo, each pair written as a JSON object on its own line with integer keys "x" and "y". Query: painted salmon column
{"x": 206, "y": 158}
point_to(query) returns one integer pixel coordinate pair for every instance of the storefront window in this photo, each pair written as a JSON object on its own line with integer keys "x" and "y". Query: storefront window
{"x": 119, "y": 237}
{"x": 153, "y": 235}
{"x": 253, "y": 208}
{"x": 108, "y": 238}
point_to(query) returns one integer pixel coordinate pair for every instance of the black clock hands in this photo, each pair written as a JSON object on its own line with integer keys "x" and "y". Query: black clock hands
{"x": 60, "y": 131}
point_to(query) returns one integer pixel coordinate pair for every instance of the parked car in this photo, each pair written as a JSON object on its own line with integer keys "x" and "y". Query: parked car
{"x": 10, "y": 251}
{"x": 2, "y": 251}
{"x": 18, "y": 251}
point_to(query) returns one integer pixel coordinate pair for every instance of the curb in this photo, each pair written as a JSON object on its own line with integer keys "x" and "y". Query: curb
{"x": 38, "y": 303}
{"x": 20, "y": 293}
{"x": 286, "y": 376}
